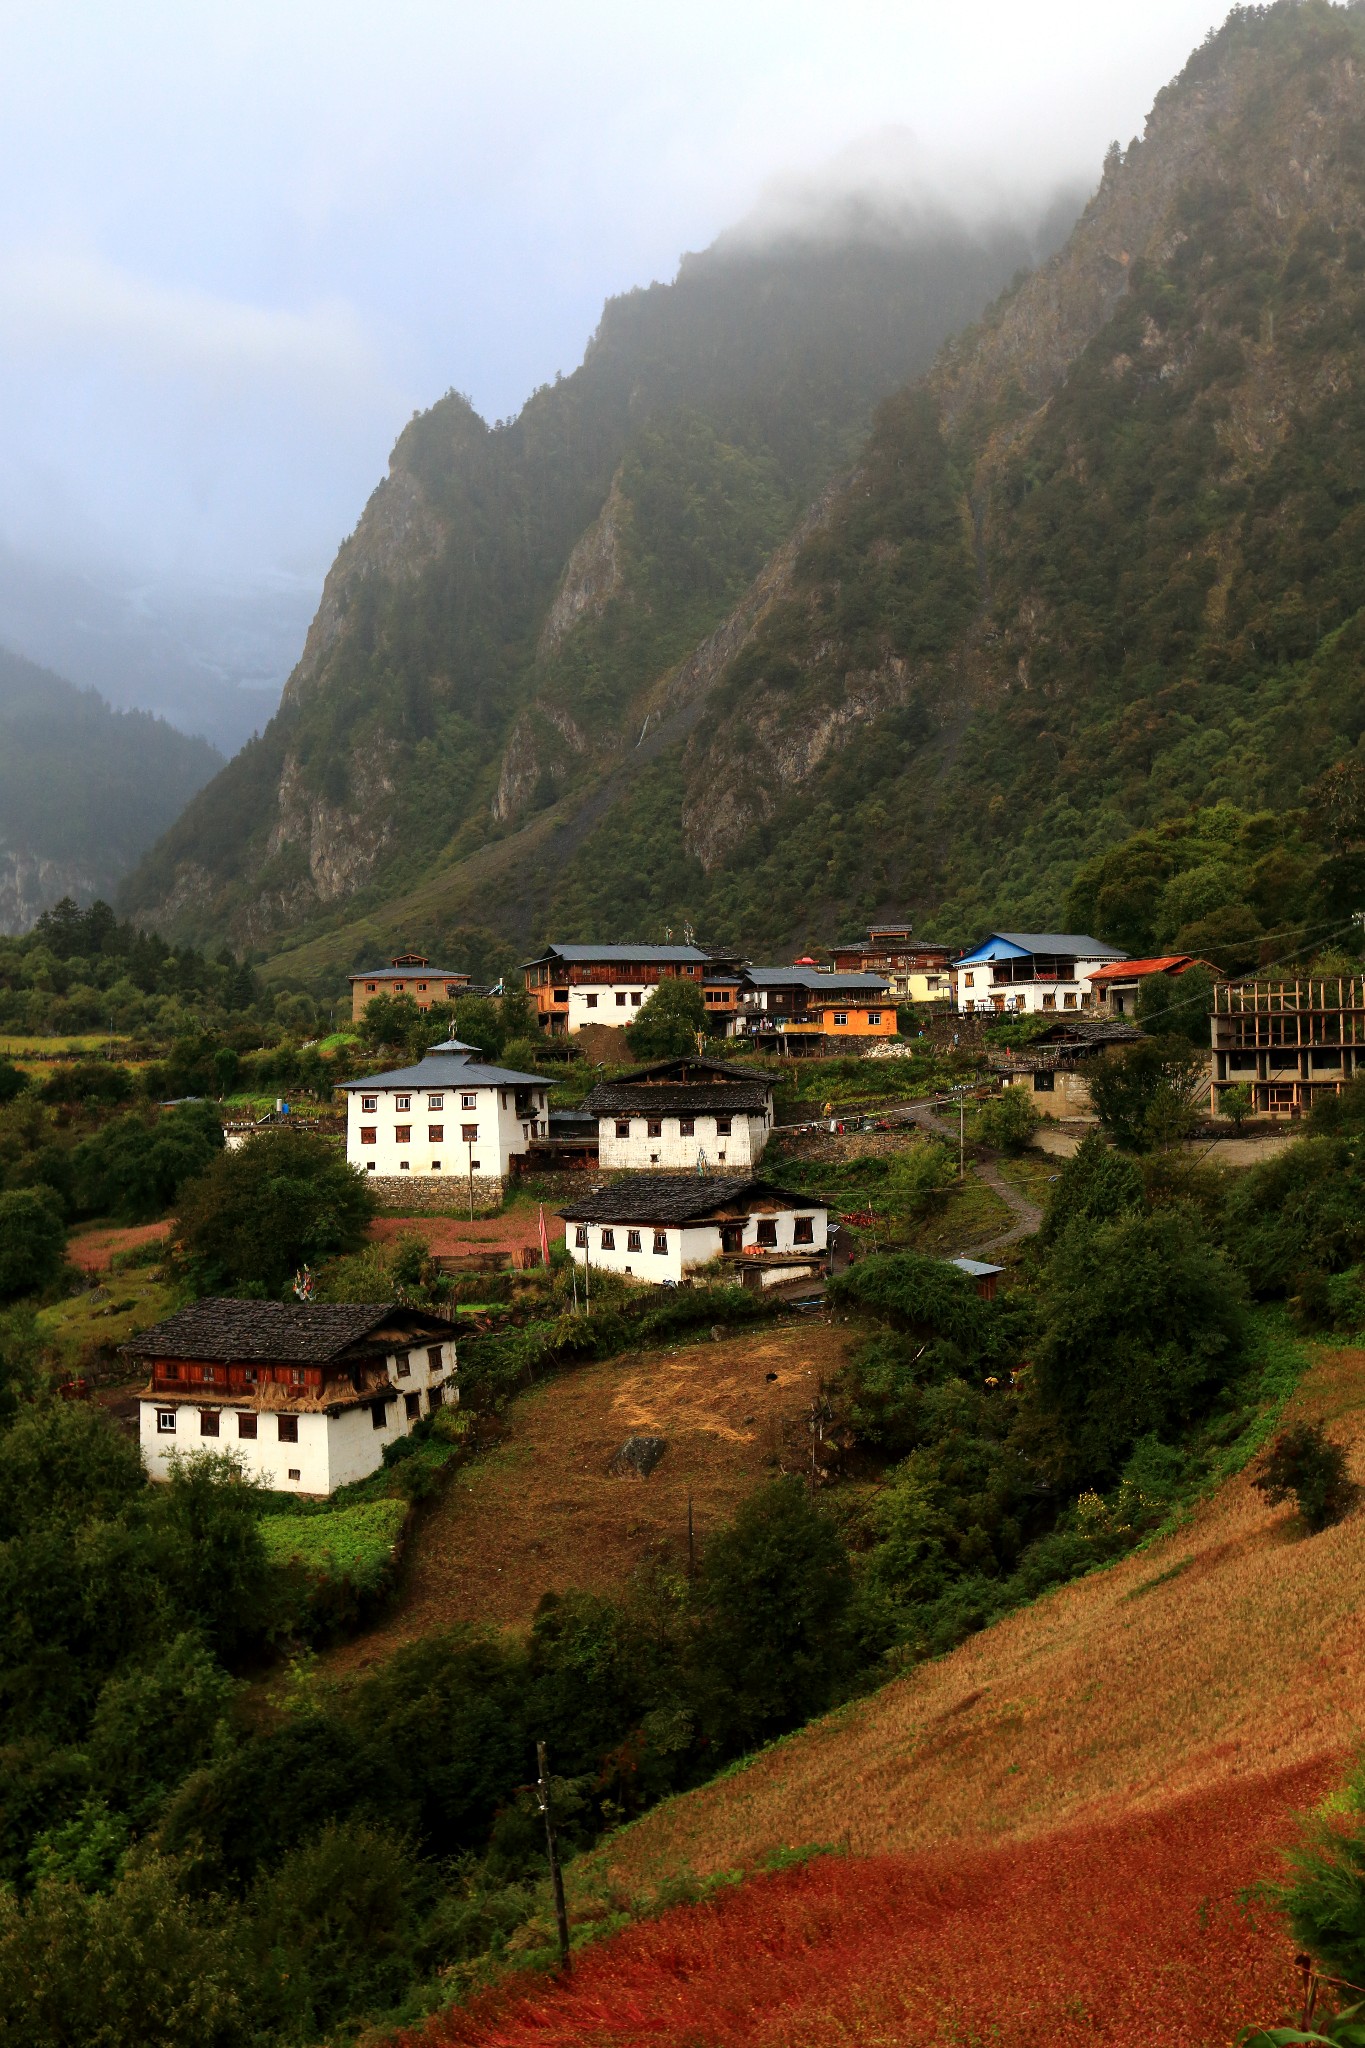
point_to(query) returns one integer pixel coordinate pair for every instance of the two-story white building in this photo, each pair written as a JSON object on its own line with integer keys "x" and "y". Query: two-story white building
{"x": 1031, "y": 971}
{"x": 305, "y": 1395}
{"x": 450, "y": 1119}
{"x": 683, "y": 1115}
{"x": 661, "y": 1228}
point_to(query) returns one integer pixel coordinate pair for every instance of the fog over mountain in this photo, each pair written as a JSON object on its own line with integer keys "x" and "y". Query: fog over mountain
{"x": 239, "y": 247}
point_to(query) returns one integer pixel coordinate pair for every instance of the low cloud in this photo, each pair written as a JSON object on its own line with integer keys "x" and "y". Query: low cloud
{"x": 64, "y": 301}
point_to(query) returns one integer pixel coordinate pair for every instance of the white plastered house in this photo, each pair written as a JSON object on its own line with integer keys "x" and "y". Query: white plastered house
{"x": 1031, "y": 972}
{"x": 306, "y": 1395}
{"x": 451, "y": 1116}
{"x": 681, "y": 1115}
{"x": 662, "y": 1228}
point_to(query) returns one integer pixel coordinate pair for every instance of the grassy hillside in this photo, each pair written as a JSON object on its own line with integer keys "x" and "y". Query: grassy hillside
{"x": 1046, "y": 1835}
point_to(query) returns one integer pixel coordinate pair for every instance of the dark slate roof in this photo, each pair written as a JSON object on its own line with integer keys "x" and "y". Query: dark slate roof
{"x": 1087, "y": 1031}
{"x": 410, "y": 974}
{"x": 447, "y": 1070}
{"x": 677, "y": 1198}
{"x": 621, "y": 1098}
{"x": 274, "y": 1332}
{"x": 692, "y": 956}
{"x": 688, "y": 1063}
{"x": 815, "y": 977}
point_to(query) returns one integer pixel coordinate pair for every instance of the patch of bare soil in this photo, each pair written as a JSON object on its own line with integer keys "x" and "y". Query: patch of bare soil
{"x": 92, "y": 1250}
{"x": 540, "y": 1513}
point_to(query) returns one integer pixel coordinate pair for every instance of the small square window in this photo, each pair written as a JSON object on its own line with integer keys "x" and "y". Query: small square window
{"x": 632, "y": 1241}
{"x": 434, "y": 1357}
{"x": 298, "y": 1375}
{"x": 476, "y": 1166}
{"x": 1044, "y": 1082}
{"x": 436, "y": 1166}
{"x": 404, "y": 1366}
{"x": 469, "y": 1102}
{"x": 590, "y": 1002}
{"x": 687, "y": 1126}
{"x": 767, "y": 1231}
{"x": 874, "y": 1016}
{"x": 722, "y": 1126}
{"x": 402, "y": 1102}
{"x": 620, "y": 999}
{"x": 246, "y": 1427}
{"x": 654, "y": 1128}
{"x": 469, "y": 1133}
{"x": 402, "y": 1134}
{"x": 369, "y": 1166}
{"x": 368, "y": 1133}
{"x": 209, "y": 1374}
{"x": 623, "y": 1127}
{"x": 208, "y": 1422}
{"x": 580, "y": 1236}
{"x": 379, "y": 1416}
{"x": 636, "y": 999}
{"x": 288, "y": 1426}
{"x": 803, "y": 1230}
{"x": 165, "y": 1421}
{"x": 412, "y": 1405}
{"x": 369, "y": 1104}
{"x": 841, "y": 1016}
{"x": 403, "y": 1166}
{"x": 436, "y": 1396}
{"x": 436, "y": 1134}
{"x": 436, "y": 1102}
{"x": 661, "y": 1241}
{"x": 294, "y": 1472}
{"x": 609, "y": 1240}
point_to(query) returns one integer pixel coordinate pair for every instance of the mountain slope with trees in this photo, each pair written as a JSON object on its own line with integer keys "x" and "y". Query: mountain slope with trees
{"x": 491, "y": 636}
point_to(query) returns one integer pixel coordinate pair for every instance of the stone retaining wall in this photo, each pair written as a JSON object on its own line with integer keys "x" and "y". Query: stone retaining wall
{"x": 436, "y": 1194}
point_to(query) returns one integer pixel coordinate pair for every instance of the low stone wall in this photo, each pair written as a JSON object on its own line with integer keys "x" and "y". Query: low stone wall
{"x": 435, "y": 1194}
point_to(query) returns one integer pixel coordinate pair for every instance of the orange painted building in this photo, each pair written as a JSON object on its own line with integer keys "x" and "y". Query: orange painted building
{"x": 408, "y": 974}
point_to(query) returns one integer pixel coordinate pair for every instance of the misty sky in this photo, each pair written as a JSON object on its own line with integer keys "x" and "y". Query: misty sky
{"x": 240, "y": 243}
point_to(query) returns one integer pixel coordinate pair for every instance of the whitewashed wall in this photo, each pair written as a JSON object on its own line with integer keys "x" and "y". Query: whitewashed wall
{"x": 671, "y": 1150}
{"x": 332, "y": 1450}
{"x": 689, "y": 1246}
{"x": 501, "y": 1131}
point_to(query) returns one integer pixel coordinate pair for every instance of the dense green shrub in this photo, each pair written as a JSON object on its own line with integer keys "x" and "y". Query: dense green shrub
{"x": 1143, "y": 1095}
{"x": 1009, "y": 1121}
{"x": 1323, "y": 1898}
{"x": 1141, "y": 1323}
{"x": 1094, "y": 1186}
{"x": 667, "y": 1026}
{"x": 134, "y": 1169}
{"x": 284, "y": 1199}
{"x": 32, "y": 1241}
{"x": 1304, "y": 1466}
{"x": 1297, "y": 1215}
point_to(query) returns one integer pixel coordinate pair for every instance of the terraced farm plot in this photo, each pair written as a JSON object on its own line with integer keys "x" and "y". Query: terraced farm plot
{"x": 541, "y": 1514}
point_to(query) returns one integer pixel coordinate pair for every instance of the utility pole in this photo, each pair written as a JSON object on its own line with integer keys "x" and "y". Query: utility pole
{"x": 691, "y": 1545}
{"x": 961, "y": 1139}
{"x": 552, "y": 1850}
{"x": 470, "y": 1145}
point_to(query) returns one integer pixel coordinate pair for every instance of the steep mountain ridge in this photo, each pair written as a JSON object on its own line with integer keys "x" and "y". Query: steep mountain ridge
{"x": 493, "y": 632}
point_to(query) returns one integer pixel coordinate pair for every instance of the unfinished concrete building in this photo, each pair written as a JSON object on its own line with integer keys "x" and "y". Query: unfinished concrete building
{"x": 1288, "y": 1041}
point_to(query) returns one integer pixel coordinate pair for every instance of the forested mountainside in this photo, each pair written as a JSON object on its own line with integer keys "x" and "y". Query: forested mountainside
{"x": 84, "y": 789}
{"x": 1101, "y": 564}
{"x": 490, "y": 635}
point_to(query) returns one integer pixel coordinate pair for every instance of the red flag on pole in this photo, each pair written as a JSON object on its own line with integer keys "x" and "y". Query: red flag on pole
{"x": 544, "y": 1238}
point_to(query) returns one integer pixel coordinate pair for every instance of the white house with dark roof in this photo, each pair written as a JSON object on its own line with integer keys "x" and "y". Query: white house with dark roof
{"x": 679, "y": 1114}
{"x": 575, "y": 985}
{"x": 307, "y": 1395}
{"x": 1031, "y": 971}
{"x": 660, "y": 1228}
{"x": 451, "y": 1118}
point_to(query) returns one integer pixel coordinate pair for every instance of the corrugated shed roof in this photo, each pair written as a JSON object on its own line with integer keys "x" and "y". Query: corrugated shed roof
{"x": 1169, "y": 963}
{"x": 678, "y": 1198}
{"x": 275, "y": 1332}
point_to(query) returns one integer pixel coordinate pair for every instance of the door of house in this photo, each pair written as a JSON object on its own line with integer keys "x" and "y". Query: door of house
{"x": 732, "y": 1237}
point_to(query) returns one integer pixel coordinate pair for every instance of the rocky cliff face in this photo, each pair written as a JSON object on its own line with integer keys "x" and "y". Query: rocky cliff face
{"x": 516, "y": 605}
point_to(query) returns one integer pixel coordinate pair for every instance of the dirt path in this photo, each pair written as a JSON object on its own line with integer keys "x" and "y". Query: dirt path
{"x": 1028, "y": 1216}
{"x": 541, "y": 1514}
{"x": 93, "y": 1250}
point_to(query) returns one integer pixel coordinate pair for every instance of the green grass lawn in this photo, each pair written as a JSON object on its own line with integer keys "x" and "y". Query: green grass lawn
{"x": 14, "y": 1044}
{"x": 355, "y": 1543}
{"x": 106, "y": 1316}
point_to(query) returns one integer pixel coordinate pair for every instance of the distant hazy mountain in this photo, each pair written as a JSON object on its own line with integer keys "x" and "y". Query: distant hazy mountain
{"x": 84, "y": 789}
{"x": 210, "y": 658}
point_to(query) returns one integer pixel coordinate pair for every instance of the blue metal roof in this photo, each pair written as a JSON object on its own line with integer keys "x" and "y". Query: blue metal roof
{"x": 1018, "y": 945}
